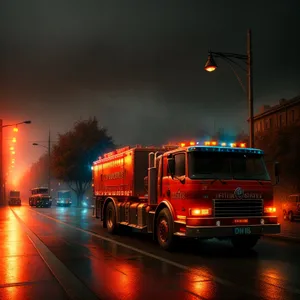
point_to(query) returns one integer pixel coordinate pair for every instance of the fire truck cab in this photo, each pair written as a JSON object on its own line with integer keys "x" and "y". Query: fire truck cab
{"x": 213, "y": 190}
{"x": 40, "y": 197}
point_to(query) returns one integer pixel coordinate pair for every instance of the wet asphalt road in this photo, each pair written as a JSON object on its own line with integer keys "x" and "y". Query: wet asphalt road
{"x": 206, "y": 270}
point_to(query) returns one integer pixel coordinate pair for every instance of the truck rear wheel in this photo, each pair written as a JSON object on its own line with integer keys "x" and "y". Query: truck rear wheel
{"x": 245, "y": 242}
{"x": 164, "y": 230}
{"x": 110, "y": 218}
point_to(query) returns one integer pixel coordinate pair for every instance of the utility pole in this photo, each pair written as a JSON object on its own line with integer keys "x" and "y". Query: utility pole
{"x": 250, "y": 87}
{"x": 211, "y": 66}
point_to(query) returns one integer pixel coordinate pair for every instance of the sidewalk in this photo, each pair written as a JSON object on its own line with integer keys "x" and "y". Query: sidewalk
{"x": 23, "y": 273}
{"x": 289, "y": 230}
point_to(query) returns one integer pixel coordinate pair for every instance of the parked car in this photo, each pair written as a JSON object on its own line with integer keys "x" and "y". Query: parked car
{"x": 291, "y": 208}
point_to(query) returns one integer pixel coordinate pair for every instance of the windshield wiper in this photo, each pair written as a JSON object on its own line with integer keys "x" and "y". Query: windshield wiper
{"x": 248, "y": 178}
{"x": 216, "y": 178}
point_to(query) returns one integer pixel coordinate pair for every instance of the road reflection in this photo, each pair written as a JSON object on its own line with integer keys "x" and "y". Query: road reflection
{"x": 12, "y": 242}
{"x": 273, "y": 282}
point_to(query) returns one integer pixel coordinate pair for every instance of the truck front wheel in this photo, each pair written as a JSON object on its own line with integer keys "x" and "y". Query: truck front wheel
{"x": 244, "y": 242}
{"x": 110, "y": 218}
{"x": 164, "y": 230}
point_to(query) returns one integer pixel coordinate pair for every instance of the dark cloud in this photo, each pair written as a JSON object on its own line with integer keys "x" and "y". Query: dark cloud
{"x": 138, "y": 65}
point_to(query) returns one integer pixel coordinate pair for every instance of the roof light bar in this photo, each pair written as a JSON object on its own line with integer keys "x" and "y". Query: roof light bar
{"x": 214, "y": 143}
{"x": 232, "y": 145}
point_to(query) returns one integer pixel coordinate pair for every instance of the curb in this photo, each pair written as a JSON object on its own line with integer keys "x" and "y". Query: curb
{"x": 284, "y": 238}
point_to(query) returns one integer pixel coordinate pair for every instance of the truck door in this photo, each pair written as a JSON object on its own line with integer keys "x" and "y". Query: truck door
{"x": 175, "y": 190}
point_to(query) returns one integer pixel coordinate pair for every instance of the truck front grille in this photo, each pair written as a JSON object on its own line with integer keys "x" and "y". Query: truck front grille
{"x": 238, "y": 208}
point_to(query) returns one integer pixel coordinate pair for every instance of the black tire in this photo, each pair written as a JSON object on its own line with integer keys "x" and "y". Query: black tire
{"x": 165, "y": 230}
{"x": 245, "y": 243}
{"x": 291, "y": 216}
{"x": 110, "y": 218}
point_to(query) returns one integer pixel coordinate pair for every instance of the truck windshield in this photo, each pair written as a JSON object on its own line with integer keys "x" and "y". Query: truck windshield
{"x": 226, "y": 165}
{"x": 14, "y": 194}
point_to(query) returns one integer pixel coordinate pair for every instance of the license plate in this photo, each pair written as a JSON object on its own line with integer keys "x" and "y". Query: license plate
{"x": 242, "y": 230}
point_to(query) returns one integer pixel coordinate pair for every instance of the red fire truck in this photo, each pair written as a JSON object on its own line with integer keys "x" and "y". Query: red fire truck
{"x": 209, "y": 190}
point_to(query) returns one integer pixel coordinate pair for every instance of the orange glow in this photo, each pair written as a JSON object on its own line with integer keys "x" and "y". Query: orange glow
{"x": 14, "y": 140}
{"x": 13, "y": 152}
{"x": 241, "y": 221}
{"x": 12, "y": 161}
{"x": 199, "y": 284}
{"x": 223, "y": 144}
{"x": 210, "y": 68}
{"x": 182, "y": 144}
{"x": 11, "y": 148}
{"x": 13, "y": 246}
{"x": 271, "y": 278}
{"x": 16, "y": 129}
{"x": 213, "y": 143}
{"x": 233, "y": 145}
{"x": 270, "y": 210}
{"x": 207, "y": 143}
{"x": 243, "y": 145}
{"x": 200, "y": 212}
{"x": 192, "y": 143}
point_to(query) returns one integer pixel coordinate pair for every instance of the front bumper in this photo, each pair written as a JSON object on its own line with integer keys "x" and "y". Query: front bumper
{"x": 14, "y": 202}
{"x": 230, "y": 231}
{"x": 63, "y": 203}
{"x": 43, "y": 203}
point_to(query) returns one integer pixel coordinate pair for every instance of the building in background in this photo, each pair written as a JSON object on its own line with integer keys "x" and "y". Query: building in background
{"x": 269, "y": 124}
{"x": 272, "y": 118}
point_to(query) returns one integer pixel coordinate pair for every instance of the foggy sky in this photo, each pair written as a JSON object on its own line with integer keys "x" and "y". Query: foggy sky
{"x": 138, "y": 65}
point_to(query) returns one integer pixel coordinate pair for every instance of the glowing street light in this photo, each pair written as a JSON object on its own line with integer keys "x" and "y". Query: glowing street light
{"x": 210, "y": 65}
{"x": 2, "y": 181}
{"x": 12, "y": 148}
{"x": 15, "y": 129}
{"x": 230, "y": 58}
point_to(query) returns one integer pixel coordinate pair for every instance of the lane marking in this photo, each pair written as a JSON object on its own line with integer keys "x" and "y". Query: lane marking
{"x": 24, "y": 283}
{"x": 74, "y": 288}
{"x": 219, "y": 280}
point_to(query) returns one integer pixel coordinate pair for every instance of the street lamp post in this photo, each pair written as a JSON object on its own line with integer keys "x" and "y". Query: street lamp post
{"x": 211, "y": 66}
{"x": 2, "y": 195}
{"x": 49, "y": 160}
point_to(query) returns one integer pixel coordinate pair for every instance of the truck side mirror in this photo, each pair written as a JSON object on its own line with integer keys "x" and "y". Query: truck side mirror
{"x": 171, "y": 166}
{"x": 276, "y": 171}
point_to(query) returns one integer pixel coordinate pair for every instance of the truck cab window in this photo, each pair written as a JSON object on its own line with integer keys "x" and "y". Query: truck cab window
{"x": 180, "y": 164}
